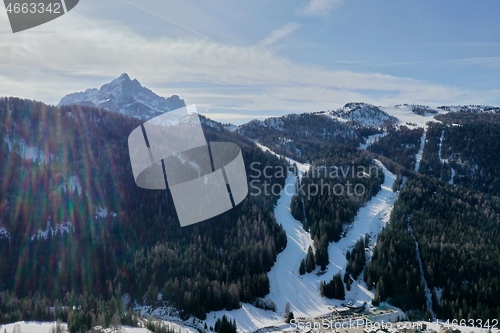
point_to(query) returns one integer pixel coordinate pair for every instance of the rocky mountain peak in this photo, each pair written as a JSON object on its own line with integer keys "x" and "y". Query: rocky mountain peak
{"x": 125, "y": 96}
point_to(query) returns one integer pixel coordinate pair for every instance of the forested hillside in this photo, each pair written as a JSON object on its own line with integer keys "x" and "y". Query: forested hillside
{"x": 328, "y": 199}
{"x": 456, "y": 222}
{"x": 399, "y": 145}
{"x": 74, "y": 222}
{"x": 464, "y": 151}
{"x": 304, "y": 137}
{"x": 457, "y": 231}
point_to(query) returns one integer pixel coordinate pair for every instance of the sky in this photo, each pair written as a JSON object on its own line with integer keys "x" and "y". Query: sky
{"x": 240, "y": 60}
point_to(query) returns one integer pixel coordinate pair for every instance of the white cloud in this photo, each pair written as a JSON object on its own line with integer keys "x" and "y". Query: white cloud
{"x": 319, "y": 7}
{"x": 492, "y": 62}
{"x": 280, "y": 33}
{"x": 84, "y": 54}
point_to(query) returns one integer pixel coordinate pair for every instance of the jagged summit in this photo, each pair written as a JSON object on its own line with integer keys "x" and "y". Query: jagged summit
{"x": 126, "y": 96}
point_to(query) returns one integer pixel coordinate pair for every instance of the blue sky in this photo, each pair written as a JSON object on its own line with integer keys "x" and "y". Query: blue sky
{"x": 238, "y": 60}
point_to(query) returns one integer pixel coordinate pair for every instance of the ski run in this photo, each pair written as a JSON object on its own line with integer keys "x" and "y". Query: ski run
{"x": 302, "y": 292}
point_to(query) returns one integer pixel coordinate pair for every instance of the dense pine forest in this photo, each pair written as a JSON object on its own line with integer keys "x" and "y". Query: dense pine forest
{"x": 468, "y": 151}
{"x": 456, "y": 222}
{"x": 399, "y": 145}
{"x": 456, "y": 231}
{"x": 78, "y": 225}
{"x": 304, "y": 137}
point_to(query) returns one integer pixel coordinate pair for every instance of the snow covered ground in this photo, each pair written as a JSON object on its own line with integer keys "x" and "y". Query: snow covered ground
{"x": 168, "y": 316}
{"x": 29, "y": 327}
{"x": 302, "y": 167}
{"x": 409, "y": 118}
{"x": 302, "y": 292}
{"x": 46, "y": 327}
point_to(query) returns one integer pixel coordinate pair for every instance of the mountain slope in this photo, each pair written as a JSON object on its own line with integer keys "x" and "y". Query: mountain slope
{"x": 454, "y": 221}
{"x": 125, "y": 96}
{"x": 303, "y": 137}
{"x": 363, "y": 114}
{"x": 122, "y": 240}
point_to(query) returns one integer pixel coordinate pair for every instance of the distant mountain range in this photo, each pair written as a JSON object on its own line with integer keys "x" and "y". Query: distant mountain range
{"x": 125, "y": 96}
{"x": 410, "y": 115}
{"x": 128, "y": 97}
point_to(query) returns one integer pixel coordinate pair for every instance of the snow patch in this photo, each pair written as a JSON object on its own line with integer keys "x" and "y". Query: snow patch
{"x": 453, "y": 173}
{"x": 30, "y": 326}
{"x": 428, "y": 295}
{"x": 371, "y": 139}
{"x": 101, "y": 212}
{"x": 73, "y": 184}
{"x": 169, "y": 317}
{"x": 443, "y": 161}
{"x": 418, "y": 157}
{"x": 407, "y": 116}
{"x": 28, "y": 152}
{"x": 60, "y": 228}
{"x": 439, "y": 293}
{"x": 4, "y": 233}
{"x": 302, "y": 167}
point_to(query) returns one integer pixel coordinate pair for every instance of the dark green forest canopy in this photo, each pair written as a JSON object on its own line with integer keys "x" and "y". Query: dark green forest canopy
{"x": 456, "y": 225}
{"x": 142, "y": 250}
{"x": 469, "y": 150}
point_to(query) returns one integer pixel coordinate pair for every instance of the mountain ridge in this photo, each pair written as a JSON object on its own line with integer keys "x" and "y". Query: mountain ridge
{"x": 128, "y": 97}
{"x": 125, "y": 96}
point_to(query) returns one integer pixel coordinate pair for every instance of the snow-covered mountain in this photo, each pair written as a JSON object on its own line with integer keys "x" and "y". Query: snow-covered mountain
{"x": 363, "y": 114}
{"x": 125, "y": 96}
{"x": 354, "y": 116}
